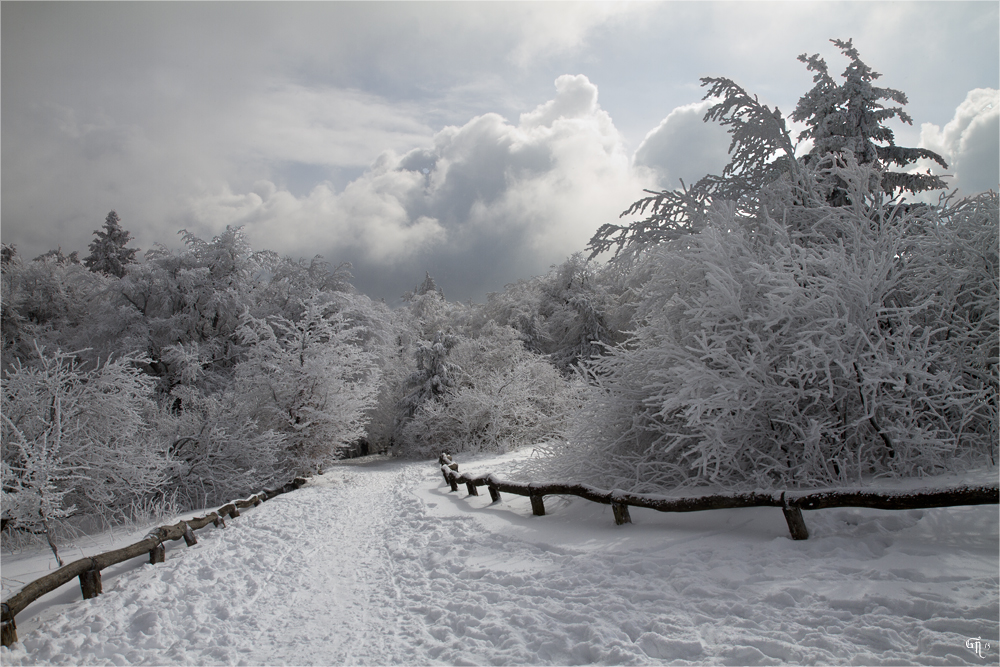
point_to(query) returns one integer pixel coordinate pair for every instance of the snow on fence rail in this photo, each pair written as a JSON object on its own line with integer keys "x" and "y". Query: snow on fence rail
{"x": 791, "y": 502}
{"x": 89, "y": 569}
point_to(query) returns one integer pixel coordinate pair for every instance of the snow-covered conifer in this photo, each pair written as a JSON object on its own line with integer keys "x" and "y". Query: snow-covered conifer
{"x": 839, "y": 118}
{"x": 851, "y": 117}
{"x": 108, "y": 253}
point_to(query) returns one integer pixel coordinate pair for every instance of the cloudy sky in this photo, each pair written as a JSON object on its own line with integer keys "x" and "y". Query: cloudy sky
{"x": 482, "y": 142}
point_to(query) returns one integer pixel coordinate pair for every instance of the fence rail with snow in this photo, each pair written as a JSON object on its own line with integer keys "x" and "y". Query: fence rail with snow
{"x": 791, "y": 502}
{"x": 89, "y": 569}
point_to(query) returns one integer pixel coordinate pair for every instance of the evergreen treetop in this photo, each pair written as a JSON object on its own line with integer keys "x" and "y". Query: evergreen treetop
{"x": 108, "y": 253}
{"x": 839, "y": 118}
{"x": 851, "y": 117}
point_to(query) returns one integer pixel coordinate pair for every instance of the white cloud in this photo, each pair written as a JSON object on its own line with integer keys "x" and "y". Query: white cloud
{"x": 273, "y": 114}
{"x": 488, "y": 202}
{"x": 548, "y": 28}
{"x": 98, "y": 160}
{"x": 682, "y": 146}
{"x": 969, "y": 142}
{"x": 324, "y": 125}
{"x": 576, "y": 97}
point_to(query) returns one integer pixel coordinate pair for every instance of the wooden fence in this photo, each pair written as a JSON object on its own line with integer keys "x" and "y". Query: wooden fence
{"x": 791, "y": 502}
{"x": 89, "y": 569}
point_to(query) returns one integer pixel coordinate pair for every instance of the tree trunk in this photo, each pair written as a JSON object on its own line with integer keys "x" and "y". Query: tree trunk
{"x": 52, "y": 542}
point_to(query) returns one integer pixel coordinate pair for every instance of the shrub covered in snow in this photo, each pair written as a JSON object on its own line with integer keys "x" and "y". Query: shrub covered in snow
{"x": 307, "y": 380}
{"x": 804, "y": 346}
{"x": 798, "y": 324}
{"x": 494, "y": 396}
{"x": 76, "y": 442}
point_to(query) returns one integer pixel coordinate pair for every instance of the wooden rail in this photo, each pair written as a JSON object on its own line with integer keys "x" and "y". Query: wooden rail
{"x": 791, "y": 502}
{"x": 89, "y": 569}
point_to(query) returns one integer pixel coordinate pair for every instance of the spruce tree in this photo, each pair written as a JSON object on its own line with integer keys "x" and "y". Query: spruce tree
{"x": 851, "y": 117}
{"x": 108, "y": 253}
{"x": 839, "y": 118}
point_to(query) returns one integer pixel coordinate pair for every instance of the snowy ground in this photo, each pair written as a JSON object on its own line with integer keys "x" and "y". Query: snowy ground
{"x": 377, "y": 563}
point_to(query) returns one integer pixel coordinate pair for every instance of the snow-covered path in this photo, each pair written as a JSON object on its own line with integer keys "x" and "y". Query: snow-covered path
{"x": 379, "y": 564}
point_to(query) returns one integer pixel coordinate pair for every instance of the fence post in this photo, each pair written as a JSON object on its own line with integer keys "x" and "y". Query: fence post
{"x": 537, "y": 505}
{"x": 454, "y": 484}
{"x": 8, "y": 629}
{"x": 189, "y": 538}
{"x": 621, "y": 513}
{"x": 90, "y": 583}
{"x": 157, "y": 554}
{"x": 793, "y": 517}
{"x": 471, "y": 486}
{"x": 494, "y": 493}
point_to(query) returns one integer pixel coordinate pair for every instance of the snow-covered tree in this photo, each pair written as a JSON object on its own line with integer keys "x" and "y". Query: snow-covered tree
{"x": 77, "y": 442}
{"x": 430, "y": 312}
{"x": 762, "y": 151}
{"x": 851, "y": 117}
{"x": 579, "y": 305}
{"x": 839, "y": 118}
{"x": 108, "y": 253}
{"x": 11, "y": 321}
{"x": 194, "y": 299}
{"x": 293, "y": 281}
{"x": 217, "y": 447}
{"x": 569, "y": 314}
{"x": 435, "y": 372}
{"x": 804, "y": 345}
{"x": 56, "y": 303}
{"x": 499, "y": 396}
{"x": 56, "y": 255}
{"x": 35, "y": 484}
{"x": 428, "y": 286}
{"x": 7, "y": 254}
{"x": 308, "y": 380}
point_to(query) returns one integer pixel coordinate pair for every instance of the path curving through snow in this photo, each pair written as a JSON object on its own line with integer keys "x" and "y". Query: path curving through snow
{"x": 377, "y": 563}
